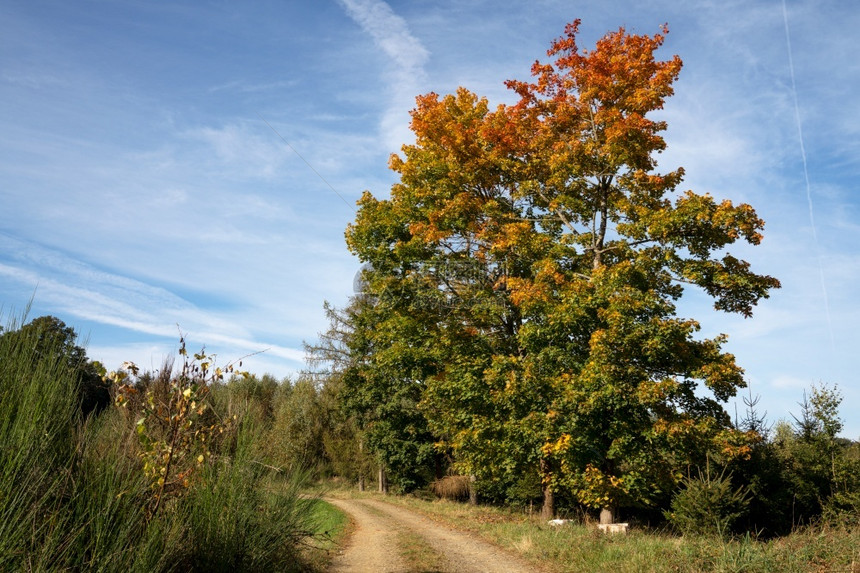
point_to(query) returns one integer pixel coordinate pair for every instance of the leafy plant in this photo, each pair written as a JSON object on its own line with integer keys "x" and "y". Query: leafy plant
{"x": 105, "y": 493}
{"x": 707, "y": 504}
{"x": 173, "y": 430}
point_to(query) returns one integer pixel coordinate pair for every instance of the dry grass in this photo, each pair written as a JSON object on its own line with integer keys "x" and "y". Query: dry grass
{"x": 451, "y": 487}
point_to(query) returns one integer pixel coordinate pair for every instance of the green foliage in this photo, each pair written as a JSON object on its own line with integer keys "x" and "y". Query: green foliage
{"x": 242, "y": 515}
{"x": 708, "y": 504}
{"x": 76, "y": 493}
{"x": 342, "y": 438}
{"x": 378, "y": 363}
{"x": 298, "y": 428}
{"x": 51, "y": 338}
{"x": 37, "y": 442}
{"x": 803, "y": 472}
{"x": 821, "y": 469}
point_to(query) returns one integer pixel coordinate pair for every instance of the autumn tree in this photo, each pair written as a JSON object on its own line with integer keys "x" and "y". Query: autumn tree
{"x": 536, "y": 255}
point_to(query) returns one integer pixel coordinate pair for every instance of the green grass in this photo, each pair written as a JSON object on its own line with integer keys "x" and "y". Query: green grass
{"x": 417, "y": 553}
{"x": 332, "y": 526}
{"x": 331, "y": 522}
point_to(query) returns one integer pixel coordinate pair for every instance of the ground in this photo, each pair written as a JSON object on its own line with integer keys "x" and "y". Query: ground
{"x": 392, "y": 539}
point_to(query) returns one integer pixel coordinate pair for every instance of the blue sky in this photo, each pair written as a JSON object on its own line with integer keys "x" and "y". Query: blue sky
{"x": 145, "y": 187}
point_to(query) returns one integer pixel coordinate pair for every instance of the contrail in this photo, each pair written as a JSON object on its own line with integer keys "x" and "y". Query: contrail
{"x": 306, "y": 162}
{"x": 806, "y": 174}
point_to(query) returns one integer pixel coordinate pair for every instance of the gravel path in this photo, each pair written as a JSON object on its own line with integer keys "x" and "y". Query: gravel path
{"x": 372, "y": 547}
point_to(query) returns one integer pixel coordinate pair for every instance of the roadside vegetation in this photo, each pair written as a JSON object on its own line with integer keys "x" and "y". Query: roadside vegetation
{"x": 164, "y": 471}
{"x": 252, "y": 454}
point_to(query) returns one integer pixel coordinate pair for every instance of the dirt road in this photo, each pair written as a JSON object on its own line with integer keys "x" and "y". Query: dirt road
{"x": 374, "y": 545}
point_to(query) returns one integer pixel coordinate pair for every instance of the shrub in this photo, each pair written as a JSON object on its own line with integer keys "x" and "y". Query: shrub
{"x": 707, "y": 505}
{"x": 242, "y": 515}
{"x": 38, "y": 409}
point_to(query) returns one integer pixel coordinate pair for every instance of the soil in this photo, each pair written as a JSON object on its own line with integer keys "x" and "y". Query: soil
{"x": 372, "y": 546}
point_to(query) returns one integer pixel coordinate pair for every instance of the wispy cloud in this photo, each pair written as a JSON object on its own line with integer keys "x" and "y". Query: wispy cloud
{"x": 76, "y": 289}
{"x": 243, "y": 86}
{"x": 389, "y": 31}
{"x": 391, "y": 34}
{"x": 36, "y": 81}
{"x": 236, "y": 147}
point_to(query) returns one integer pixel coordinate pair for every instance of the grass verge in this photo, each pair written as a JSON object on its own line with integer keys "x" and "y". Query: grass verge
{"x": 332, "y": 527}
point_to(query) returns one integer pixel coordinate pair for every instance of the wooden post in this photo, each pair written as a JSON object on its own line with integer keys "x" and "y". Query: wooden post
{"x": 361, "y": 465}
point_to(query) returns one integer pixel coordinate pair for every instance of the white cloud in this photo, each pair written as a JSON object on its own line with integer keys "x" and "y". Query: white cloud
{"x": 110, "y": 299}
{"x": 787, "y": 381}
{"x": 389, "y": 31}
{"x": 391, "y": 34}
{"x": 238, "y": 150}
{"x": 221, "y": 335}
{"x": 251, "y": 87}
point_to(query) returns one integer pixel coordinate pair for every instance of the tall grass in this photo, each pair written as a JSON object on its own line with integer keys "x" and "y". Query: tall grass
{"x": 37, "y": 448}
{"x": 73, "y": 496}
{"x": 244, "y": 515}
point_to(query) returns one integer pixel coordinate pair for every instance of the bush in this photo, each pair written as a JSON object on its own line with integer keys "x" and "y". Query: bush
{"x": 707, "y": 505}
{"x": 242, "y": 515}
{"x": 38, "y": 410}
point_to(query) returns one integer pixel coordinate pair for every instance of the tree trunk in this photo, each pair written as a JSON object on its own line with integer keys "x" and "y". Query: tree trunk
{"x": 473, "y": 493}
{"x": 439, "y": 470}
{"x": 383, "y": 481}
{"x": 547, "y": 512}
